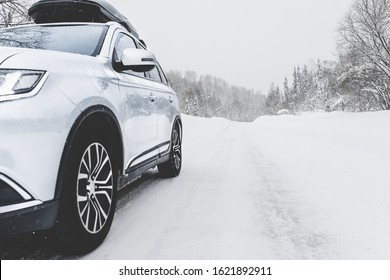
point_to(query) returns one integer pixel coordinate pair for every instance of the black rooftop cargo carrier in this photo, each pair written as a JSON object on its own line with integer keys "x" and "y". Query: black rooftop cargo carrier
{"x": 51, "y": 11}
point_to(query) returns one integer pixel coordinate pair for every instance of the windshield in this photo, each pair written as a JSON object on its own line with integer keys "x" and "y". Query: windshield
{"x": 79, "y": 39}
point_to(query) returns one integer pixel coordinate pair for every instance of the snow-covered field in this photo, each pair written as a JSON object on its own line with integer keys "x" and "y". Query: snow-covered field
{"x": 315, "y": 186}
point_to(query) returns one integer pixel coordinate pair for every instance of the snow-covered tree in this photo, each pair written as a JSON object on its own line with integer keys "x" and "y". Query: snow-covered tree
{"x": 307, "y": 89}
{"x": 321, "y": 86}
{"x": 273, "y": 99}
{"x": 365, "y": 32}
{"x": 294, "y": 90}
{"x": 14, "y": 12}
{"x": 284, "y": 96}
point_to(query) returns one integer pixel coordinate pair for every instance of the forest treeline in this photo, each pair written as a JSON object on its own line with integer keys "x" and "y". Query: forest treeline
{"x": 209, "y": 96}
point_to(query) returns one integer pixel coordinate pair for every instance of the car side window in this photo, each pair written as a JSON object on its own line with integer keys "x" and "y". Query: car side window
{"x": 123, "y": 42}
{"x": 154, "y": 75}
{"x": 162, "y": 74}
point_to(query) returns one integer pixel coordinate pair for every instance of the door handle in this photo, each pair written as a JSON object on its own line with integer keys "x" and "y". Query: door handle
{"x": 152, "y": 97}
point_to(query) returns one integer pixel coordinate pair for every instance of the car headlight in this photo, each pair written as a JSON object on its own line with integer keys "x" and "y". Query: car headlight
{"x": 16, "y": 82}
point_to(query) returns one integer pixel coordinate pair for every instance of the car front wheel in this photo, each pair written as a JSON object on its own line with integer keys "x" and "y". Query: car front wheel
{"x": 88, "y": 197}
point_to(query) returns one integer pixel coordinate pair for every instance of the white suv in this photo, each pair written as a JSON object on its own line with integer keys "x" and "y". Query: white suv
{"x": 84, "y": 109}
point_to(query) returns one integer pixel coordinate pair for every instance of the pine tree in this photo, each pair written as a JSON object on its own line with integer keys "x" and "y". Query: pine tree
{"x": 320, "y": 84}
{"x": 273, "y": 99}
{"x": 285, "y": 96}
{"x": 307, "y": 90}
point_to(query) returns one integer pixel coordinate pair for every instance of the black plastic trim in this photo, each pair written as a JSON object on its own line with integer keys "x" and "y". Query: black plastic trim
{"x": 142, "y": 168}
{"x": 40, "y": 217}
{"x": 130, "y": 168}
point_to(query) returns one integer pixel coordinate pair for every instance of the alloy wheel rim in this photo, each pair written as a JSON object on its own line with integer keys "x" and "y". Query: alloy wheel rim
{"x": 95, "y": 188}
{"x": 176, "y": 149}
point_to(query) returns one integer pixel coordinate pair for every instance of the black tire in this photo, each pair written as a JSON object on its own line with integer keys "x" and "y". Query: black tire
{"x": 172, "y": 167}
{"x": 88, "y": 195}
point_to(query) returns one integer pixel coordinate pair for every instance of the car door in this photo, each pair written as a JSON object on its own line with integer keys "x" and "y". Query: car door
{"x": 165, "y": 102}
{"x": 138, "y": 110}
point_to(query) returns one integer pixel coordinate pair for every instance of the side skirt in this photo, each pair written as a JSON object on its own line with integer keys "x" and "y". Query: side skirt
{"x": 137, "y": 170}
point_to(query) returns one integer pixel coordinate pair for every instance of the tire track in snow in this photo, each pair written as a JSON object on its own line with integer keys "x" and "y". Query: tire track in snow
{"x": 292, "y": 235}
{"x": 177, "y": 218}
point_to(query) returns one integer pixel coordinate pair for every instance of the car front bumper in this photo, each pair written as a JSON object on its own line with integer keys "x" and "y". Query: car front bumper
{"x": 33, "y": 133}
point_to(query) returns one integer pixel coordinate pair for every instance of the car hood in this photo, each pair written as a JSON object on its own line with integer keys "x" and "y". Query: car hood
{"x": 53, "y": 61}
{"x": 6, "y": 53}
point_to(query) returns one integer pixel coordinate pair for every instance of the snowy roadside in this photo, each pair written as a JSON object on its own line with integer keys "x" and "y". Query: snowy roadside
{"x": 338, "y": 164}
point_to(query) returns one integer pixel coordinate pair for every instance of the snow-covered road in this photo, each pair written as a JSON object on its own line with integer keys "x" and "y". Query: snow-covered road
{"x": 315, "y": 186}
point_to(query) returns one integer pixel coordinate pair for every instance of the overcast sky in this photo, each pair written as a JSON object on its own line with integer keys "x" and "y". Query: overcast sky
{"x": 249, "y": 43}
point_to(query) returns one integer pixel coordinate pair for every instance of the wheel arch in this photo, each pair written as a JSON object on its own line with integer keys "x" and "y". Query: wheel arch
{"x": 95, "y": 117}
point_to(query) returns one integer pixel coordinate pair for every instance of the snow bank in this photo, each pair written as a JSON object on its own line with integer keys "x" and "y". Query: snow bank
{"x": 337, "y": 166}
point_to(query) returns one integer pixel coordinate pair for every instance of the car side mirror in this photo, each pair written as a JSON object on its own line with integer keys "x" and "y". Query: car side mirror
{"x": 138, "y": 60}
